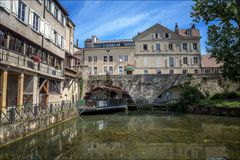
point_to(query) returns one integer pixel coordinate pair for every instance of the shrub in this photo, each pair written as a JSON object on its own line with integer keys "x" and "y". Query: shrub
{"x": 226, "y": 95}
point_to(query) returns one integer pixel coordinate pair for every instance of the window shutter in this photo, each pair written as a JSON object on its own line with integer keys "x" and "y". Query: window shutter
{"x": 180, "y": 62}
{"x": 59, "y": 15}
{"x": 49, "y": 31}
{"x": 64, "y": 21}
{"x": 46, "y": 30}
{"x": 52, "y": 34}
{"x": 174, "y": 47}
{"x": 191, "y": 46}
{"x": 52, "y": 7}
{"x": 166, "y": 47}
{"x": 181, "y": 46}
{"x": 198, "y": 46}
{"x": 154, "y": 47}
{"x": 166, "y": 63}
{"x": 15, "y": 7}
{"x": 41, "y": 26}
{"x": 161, "y": 46}
{"x": 192, "y": 61}
{"x": 31, "y": 18}
{"x": 58, "y": 40}
{"x": 26, "y": 15}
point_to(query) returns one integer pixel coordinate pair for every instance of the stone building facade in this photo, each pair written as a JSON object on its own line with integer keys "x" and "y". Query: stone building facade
{"x": 157, "y": 50}
{"x": 34, "y": 39}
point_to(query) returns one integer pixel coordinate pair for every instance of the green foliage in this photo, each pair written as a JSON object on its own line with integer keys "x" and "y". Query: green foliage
{"x": 226, "y": 95}
{"x": 190, "y": 95}
{"x": 223, "y": 20}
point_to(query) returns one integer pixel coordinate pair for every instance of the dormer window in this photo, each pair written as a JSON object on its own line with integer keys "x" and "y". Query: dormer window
{"x": 166, "y": 35}
{"x": 189, "y": 33}
{"x": 145, "y": 47}
{"x": 156, "y": 36}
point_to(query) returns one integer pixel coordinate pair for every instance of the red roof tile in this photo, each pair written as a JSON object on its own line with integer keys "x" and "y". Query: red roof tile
{"x": 208, "y": 62}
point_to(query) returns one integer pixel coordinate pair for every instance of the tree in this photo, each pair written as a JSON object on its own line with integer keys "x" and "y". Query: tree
{"x": 223, "y": 20}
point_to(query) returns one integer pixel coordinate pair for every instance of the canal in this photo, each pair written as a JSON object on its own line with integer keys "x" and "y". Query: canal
{"x": 133, "y": 135}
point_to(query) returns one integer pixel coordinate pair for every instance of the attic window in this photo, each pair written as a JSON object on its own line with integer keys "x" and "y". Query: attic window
{"x": 166, "y": 35}
{"x": 189, "y": 33}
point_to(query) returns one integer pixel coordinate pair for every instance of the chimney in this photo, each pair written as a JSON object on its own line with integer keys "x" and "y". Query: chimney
{"x": 94, "y": 39}
{"x": 176, "y": 28}
{"x": 77, "y": 43}
{"x": 193, "y": 26}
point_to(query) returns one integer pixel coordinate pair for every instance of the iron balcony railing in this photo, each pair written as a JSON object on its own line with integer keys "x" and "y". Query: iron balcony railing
{"x": 15, "y": 114}
{"x": 17, "y": 60}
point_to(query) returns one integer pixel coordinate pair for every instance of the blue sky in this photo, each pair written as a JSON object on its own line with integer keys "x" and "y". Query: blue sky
{"x": 124, "y": 19}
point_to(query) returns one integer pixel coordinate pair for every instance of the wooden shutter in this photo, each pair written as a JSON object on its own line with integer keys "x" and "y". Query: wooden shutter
{"x": 15, "y": 7}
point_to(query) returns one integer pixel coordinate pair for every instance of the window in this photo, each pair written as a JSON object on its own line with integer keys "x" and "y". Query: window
{"x": 185, "y": 60}
{"x": 123, "y": 58}
{"x": 195, "y": 71}
{"x": 56, "y": 12}
{"x": 171, "y": 62}
{"x": 195, "y": 60}
{"x": 54, "y": 86}
{"x": 185, "y": 71}
{"x": 62, "y": 43}
{"x": 105, "y": 59}
{"x": 158, "y": 46}
{"x": 171, "y": 72}
{"x": 16, "y": 44}
{"x": 120, "y": 70}
{"x": 30, "y": 50}
{"x": 58, "y": 63}
{"x": 110, "y": 58}
{"x": 189, "y": 33}
{"x": 48, "y": 5}
{"x": 170, "y": 46}
{"x": 105, "y": 69}
{"x": 51, "y": 60}
{"x": 89, "y": 58}
{"x": 36, "y": 22}
{"x": 145, "y": 71}
{"x": 145, "y": 47}
{"x": 166, "y": 35}
{"x": 3, "y": 38}
{"x": 110, "y": 70}
{"x": 22, "y": 10}
{"x": 184, "y": 46}
{"x": 90, "y": 70}
{"x": 43, "y": 56}
{"x": 195, "y": 46}
{"x": 95, "y": 58}
{"x": 95, "y": 70}
{"x": 159, "y": 72}
{"x": 207, "y": 71}
{"x": 156, "y": 35}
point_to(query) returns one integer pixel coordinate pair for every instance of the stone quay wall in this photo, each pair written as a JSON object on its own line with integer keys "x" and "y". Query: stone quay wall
{"x": 13, "y": 132}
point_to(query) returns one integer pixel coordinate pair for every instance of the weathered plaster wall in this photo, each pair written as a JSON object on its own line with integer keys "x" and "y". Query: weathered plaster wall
{"x": 144, "y": 89}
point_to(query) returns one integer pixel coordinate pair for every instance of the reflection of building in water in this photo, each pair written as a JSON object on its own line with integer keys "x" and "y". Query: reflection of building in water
{"x": 114, "y": 150}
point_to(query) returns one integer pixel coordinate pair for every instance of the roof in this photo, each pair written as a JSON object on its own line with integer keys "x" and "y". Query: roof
{"x": 194, "y": 32}
{"x": 114, "y": 41}
{"x": 209, "y": 62}
{"x": 61, "y": 7}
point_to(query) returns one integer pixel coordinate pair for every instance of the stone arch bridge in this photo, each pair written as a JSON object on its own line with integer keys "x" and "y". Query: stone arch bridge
{"x": 144, "y": 89}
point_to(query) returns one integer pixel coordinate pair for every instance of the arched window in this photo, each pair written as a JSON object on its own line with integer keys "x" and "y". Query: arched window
{"x": 171, "y": 72}
{"x": 159, "y": 72}
{"x": 195, "y": 71}
{"x": 145, "y": 71}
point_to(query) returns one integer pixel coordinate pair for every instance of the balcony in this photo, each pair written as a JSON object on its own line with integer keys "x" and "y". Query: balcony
{"x": 13, "y": 59}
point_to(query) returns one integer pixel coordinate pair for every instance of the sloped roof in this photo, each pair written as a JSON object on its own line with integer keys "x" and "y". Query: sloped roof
{"x": 209, "y": 62}
{"x": 194, "y": 32}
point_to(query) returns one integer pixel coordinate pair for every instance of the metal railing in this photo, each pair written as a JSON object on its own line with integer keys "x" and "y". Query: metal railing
{"x": 100, "y": 103}
{"x": 23, "y": 61}
{"x": 28, "y": 112}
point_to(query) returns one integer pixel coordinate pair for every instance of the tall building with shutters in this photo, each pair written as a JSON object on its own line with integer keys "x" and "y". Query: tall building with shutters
{"x": 33, "y": 35}
{"x": 157, "y": 50}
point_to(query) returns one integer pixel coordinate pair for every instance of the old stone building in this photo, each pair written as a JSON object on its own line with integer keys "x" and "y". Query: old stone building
{"x": 35, "y": 36}
{"x": 157, "y": 50}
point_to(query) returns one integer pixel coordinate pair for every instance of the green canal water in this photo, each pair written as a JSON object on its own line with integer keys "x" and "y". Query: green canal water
{"x": 133, "y": 135}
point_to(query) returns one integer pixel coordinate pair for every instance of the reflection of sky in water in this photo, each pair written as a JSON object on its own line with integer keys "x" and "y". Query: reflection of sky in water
{"x": 133, "y": 136}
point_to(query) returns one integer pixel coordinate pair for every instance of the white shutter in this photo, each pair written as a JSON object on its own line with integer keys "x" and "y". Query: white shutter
{"x": 42, "y": 26}
{"x": 58, "y": 40}
{"x": 59, "y": 15}
{"x": 52, "y": 35}
{"x": 15, "y": 7}
{"x": 198, "y": 46}
{"x": 26, "y": 14}
{"x": 174, "y": 47}
{"x": 46, "y": 30}
{"x": 31, "y": 17}
{"x": 64, "y": 21}
{"x": 154, "y": 47}
{"x": 191, "y": 45}
{"x": 166, "y": 47}
{"x": 52, "y": 8}
{"x": 6, "y": 4}
{"x": 169, "y": 34}
{"x": 181, "y": 46}
{"x": 49, "y": 31}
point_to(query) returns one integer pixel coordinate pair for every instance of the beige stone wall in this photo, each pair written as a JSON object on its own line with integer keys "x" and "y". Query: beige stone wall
{"x": 115, "y": 52}
{"x": 70, "y": 93}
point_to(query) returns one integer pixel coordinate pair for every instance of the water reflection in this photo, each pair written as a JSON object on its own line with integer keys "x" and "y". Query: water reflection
{"x": 134, "y": 136}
